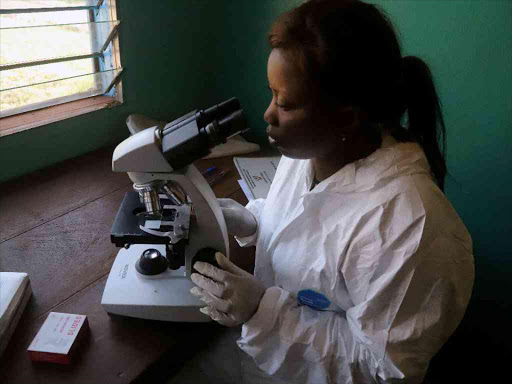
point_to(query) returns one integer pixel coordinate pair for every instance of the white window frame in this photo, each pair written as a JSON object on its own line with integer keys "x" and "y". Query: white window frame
{"x": 106, "y": 59}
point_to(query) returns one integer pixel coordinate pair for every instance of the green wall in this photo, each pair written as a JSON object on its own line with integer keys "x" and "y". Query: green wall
{"x": 468, "y": 45}
{"x": 183, "y": 54}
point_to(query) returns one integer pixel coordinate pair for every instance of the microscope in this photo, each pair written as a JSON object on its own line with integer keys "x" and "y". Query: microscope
{"x": 172, "y": 218}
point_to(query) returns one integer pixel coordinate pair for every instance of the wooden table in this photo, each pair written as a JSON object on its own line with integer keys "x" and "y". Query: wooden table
{"x": 55, "y": 225}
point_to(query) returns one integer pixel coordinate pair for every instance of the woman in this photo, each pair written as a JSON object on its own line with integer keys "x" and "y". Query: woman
{"x": 363, "y": 268}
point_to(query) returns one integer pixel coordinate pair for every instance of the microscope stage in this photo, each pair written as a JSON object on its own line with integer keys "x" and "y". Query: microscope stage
{"x": 126, "y": 227}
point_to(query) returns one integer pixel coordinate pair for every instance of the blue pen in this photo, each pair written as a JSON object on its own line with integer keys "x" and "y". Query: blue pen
{"x": 209, "y": 171}
{"x": 215, "y": 179}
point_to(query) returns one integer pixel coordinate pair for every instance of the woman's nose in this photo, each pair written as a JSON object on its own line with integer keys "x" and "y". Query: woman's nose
{"x": 270, "y": 115}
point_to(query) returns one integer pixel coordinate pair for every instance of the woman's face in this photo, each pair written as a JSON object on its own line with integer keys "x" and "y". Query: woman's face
{"x": 297, "y": 126}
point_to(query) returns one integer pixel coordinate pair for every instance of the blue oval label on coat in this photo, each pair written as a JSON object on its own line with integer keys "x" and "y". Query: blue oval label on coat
{"x": 313, "y": 299}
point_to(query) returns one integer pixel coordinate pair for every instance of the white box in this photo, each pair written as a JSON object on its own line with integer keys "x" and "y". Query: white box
{"x": 58, "y": 338}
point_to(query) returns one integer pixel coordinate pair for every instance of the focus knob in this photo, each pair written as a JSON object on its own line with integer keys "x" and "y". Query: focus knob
{"x": 206, "y": 255}
{"x": 151, "y": 262}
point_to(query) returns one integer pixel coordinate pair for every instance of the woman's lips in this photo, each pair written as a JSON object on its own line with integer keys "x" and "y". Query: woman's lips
{"x": 271, "y": 140}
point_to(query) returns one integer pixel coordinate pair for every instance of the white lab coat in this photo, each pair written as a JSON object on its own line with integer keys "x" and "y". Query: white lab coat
{"x": 383, "y": 245}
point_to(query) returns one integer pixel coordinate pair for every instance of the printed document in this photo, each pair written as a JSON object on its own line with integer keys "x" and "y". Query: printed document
{"x": 257, "y": 174}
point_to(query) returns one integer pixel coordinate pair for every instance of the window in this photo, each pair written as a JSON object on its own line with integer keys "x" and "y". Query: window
{"x": 57, "y": 51}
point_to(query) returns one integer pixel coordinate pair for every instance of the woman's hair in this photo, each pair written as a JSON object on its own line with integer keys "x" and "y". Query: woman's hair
{"x": 349, "y": 50}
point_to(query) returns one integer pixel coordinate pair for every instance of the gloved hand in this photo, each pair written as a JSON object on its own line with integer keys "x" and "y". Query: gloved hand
{"x": 239, "y": 220}
{"x": 231, "y": 294}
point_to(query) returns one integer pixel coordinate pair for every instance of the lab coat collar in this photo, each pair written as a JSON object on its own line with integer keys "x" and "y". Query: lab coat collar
{"x": 344, "y": 176}
{"x": 391, "y": 160}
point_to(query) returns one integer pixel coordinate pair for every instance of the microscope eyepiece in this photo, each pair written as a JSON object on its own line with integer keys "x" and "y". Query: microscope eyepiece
{"x": 233, "y": 124}
{"x": 191, "y": 137}
{"x": 219, "y": 131}
{"x": 220, "y": 110}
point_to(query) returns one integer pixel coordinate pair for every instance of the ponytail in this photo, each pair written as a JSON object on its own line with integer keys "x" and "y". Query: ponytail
{"x": 425, "y": 118}
{"x": 349, "y": 48}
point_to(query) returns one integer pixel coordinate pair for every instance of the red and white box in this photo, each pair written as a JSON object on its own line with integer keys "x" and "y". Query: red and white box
{"x": 58, "y": 338}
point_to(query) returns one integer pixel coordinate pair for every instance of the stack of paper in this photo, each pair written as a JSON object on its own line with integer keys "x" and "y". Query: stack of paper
{"x": 257, "y": 174}
{"x": 233, "y": 146}
{"x": 15, "y": 291}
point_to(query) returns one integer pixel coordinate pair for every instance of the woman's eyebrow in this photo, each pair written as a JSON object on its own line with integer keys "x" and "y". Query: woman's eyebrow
{"x": 273, "y": 90}
{"x": 281, "y": 92}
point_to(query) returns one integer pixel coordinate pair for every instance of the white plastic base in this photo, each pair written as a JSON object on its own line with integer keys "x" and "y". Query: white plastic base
{"x": 162, "y": 297}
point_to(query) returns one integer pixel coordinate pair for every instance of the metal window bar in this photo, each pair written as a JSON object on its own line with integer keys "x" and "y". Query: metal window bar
{"x": 94, "y": 36}
{"x": 49, "y": 61}
{"x": 54, "y": 9}
{"x": 118, "y": 71}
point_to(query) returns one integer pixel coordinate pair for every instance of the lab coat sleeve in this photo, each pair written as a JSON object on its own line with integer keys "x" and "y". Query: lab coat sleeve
{"x": 300, "y": 344}
{"x": 256, "y": 207}
{"x": 406, "y": 305}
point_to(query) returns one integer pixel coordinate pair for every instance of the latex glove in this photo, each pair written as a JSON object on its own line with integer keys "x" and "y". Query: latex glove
{"x": 239, "y": 220}
{"x": 231, "y": 294}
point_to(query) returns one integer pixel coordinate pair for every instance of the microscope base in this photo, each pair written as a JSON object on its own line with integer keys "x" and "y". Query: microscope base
{"x": 163, "y": 297}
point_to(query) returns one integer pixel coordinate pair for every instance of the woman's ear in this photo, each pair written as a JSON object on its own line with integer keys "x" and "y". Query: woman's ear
{"x": 350, "y": 118}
